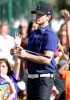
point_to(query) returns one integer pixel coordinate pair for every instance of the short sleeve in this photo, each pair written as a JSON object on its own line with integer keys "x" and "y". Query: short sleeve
{"x": 13, "y": 77}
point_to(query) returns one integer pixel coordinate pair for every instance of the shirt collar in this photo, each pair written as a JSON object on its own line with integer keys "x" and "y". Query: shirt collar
{"x": 45, "y": 28}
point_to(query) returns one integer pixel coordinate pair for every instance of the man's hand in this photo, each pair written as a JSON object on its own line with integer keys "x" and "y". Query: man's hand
{"x": 17, "y": 39}
{"x": 22, "y": 54}
{"x": 14, "y": 52}
{"x": 66, "y": 15}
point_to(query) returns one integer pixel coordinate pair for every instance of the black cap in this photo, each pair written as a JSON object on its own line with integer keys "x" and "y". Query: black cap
{"x": 44, "y": 9}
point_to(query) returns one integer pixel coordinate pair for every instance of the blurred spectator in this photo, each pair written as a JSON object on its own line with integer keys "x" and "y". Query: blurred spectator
{"x": 5, "y": 82}
{"x": 65, "y": 75}
{"x": 58, "y": 82}
{"x": 32, "y": 26}
{"x": 23, "y": 31}
{"x": 63, "y": 37}
{"x": 6, "y": 43}
{"x": 12, "y": 90}
{"x": 23, "y": 73}
{"x": 63, "y": 71}
{"x": 23, "y": 28}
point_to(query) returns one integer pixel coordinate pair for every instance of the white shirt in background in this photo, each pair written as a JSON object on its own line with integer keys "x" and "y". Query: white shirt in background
{"x": 6, "y": 43}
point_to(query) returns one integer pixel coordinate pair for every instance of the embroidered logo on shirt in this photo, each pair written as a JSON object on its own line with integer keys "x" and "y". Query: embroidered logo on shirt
{"x": 43, "y": 29}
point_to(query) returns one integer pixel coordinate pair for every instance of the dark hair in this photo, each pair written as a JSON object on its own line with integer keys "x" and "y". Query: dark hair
{"x": 30, "y": 27}
{"x": 8, "y": 64}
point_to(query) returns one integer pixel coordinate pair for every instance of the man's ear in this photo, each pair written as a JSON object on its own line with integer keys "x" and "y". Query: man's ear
{"x": 49, "y": 17}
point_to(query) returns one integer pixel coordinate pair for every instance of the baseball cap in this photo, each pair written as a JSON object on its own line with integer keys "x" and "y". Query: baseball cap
{"x": 44, "y": 9}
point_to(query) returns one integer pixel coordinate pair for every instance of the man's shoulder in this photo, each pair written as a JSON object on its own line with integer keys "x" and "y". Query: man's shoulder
{"x": 51, "y": 33}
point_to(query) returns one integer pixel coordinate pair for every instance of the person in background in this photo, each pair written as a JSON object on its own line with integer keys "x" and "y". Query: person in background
{"x": 61, "y": 60}
{"x": 23, "y": 31}
{"x": 23, "y": 28}
{"x": 41, "y": 69}
{"x": 58, "y": 82}
{"x": 11, "y": 86}
{"x": 5, "y": 82}
{"x": 6, "y": 43}
{"x": 65, "y": 74}
{"x": 63, "y": 37}
{"x": 32, "y": 26}
{"x": 60, "y": 55}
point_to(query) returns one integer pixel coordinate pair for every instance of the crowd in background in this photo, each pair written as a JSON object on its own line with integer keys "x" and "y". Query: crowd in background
{"x": 61, "y": 56}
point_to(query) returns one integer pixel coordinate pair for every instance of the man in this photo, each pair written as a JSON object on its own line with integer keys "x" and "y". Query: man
{"x": 41, "y": 68}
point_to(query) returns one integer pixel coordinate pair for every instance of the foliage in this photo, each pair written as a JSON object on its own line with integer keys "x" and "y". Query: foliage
{"x": 22, "y": 8}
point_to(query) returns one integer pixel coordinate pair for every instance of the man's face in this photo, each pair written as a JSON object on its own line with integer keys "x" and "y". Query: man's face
{"x": 41, "y": 19}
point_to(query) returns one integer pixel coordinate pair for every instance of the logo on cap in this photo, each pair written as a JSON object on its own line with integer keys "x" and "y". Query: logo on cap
{"x": 38, "y": 7}
{"x": 48, "y": 12}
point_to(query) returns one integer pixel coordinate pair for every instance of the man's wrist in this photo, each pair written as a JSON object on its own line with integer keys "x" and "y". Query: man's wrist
{"x": 26, "y": 55}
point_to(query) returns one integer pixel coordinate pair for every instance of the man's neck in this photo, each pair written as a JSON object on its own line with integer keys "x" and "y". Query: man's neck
{"x": 43, "y": 25}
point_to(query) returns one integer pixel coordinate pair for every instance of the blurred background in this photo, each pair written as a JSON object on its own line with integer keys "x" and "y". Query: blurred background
{"x": 13, "y": 11}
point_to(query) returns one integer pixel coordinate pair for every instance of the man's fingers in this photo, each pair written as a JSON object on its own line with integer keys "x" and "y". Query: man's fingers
{"x": 13, "y": 52}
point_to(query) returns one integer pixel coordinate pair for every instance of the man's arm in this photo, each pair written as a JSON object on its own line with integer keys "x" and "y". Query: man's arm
{"x": 36, "y": 58}
{"x": 60, "y": 71}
